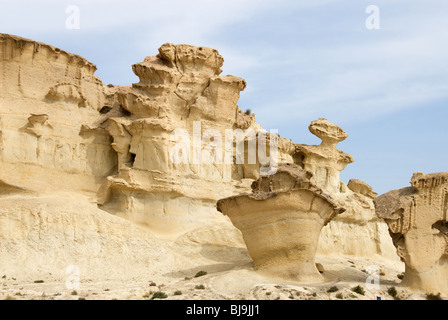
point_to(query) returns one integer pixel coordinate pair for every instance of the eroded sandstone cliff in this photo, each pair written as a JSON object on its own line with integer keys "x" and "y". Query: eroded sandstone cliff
{"x": 137, "y": 152}
{"x": 46, "y": 96}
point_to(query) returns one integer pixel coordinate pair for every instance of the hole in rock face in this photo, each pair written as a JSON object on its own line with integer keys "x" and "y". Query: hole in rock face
{"x": 131, "y": 164}
{"x": 105, "y": 109}
{"x": 298, "y": 158}
{"x": 124, "y": 112}
{"x": 441, "y": 225}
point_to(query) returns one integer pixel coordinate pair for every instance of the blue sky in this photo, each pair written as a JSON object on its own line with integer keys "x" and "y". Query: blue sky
{"x": 387, "y": 87}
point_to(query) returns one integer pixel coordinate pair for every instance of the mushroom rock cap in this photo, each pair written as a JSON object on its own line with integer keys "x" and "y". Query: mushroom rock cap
{"x": 327, "y": 131}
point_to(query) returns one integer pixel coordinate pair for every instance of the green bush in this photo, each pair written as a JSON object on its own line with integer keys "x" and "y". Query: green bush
{"x": 159, "y": 295}
{"x": 392, "y": 292}
{"x": 177, "y": 293}
{"x": 339, "y": 296}
{"x": 430, "y": 296}
{"x": 200, "y": 286}
{"x": 200, "y": 274}
{"x": 359, "y": 290}
{"x": 333, "y": 289}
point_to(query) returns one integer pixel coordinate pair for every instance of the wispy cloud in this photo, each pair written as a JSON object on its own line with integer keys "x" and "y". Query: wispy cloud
{"x": 365, "y": 74}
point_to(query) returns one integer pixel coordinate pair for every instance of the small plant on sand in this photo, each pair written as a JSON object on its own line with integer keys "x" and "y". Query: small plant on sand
{"x": 74, "y": 293}
{"x": 200, "y": 274}
{"x": 159, "y": 295}
{"x": 392, "y": 292}
{"x": 333, "y": 289}
{"x": 177, "y": 293}
{"x": 431, "y": 296}
{"x": 359, "y": 290}
{"x": 200, "y": 287}
{"x": 339, "y": 296}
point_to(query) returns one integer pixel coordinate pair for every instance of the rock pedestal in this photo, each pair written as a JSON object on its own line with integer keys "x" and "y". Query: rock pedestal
{"x": 281, "y": 222}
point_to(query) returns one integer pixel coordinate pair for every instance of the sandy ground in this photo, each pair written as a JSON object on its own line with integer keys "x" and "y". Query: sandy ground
{"x": 222, "y": 283}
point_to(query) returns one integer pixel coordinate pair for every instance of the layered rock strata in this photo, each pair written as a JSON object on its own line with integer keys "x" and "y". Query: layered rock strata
{"x": 46, "y": 96}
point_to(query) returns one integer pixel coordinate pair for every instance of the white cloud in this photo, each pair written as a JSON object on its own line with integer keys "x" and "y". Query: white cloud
{"x": 367, "y": 76}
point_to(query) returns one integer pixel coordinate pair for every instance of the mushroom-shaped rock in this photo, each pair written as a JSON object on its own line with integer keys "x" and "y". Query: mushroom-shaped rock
{"x": 417, "y": 220}
{"x": 324, "y": 161}
{"x": 281, "y": 221}
{"x": 328, "y": 132}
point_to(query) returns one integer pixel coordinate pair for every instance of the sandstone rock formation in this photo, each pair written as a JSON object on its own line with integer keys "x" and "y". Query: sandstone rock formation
{"x": 281, "y": 222}
{"x": 182, "y": 104}
{"x": 357, "y": 231}
{"x": 140, "y": 153}
{"x": 324, "y": 161}
{"x": 45, "y": 236}
{"x": 418, "y": 224}
{"x": 361, "y": 187}
{"x": 46, "y": 96}
{"x": 63, "y": 130}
